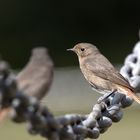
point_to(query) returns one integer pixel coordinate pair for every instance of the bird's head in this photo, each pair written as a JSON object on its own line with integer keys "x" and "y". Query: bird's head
{"x": 84, "y": 49}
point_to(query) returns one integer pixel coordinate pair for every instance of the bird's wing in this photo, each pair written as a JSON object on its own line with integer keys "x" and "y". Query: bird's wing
{"x": 103, "y": 68}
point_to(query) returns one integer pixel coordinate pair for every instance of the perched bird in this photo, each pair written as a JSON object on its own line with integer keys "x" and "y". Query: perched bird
{"x": 35, "y": 78}
{"x": 100, "y": 73}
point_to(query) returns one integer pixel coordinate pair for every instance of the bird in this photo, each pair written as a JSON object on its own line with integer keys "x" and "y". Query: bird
{"x": 35, "y": 78}
{"x": 100, "y": 73}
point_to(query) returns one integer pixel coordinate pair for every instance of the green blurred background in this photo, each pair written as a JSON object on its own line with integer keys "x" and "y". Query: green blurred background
{"x": 112, "y": 25}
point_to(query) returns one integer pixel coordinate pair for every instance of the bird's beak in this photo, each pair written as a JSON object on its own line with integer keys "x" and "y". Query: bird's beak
{"x": 71, "y": 49}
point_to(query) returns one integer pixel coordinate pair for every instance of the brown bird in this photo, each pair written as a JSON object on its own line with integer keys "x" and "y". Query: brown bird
{"x": 100, "y": 73}
{"x": 36, "y": 77}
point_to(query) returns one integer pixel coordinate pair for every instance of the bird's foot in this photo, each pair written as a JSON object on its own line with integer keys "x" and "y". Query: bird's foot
{"x": 105, "y": 96}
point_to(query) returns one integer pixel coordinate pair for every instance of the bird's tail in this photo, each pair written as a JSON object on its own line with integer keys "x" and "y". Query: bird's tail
{"x": 4, "y": 114}
{"x": 130, "y": 93}
{"x": 134, "y": 96}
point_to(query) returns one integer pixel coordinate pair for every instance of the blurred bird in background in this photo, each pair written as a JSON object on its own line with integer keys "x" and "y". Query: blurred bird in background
{"x": 35, "y": 78}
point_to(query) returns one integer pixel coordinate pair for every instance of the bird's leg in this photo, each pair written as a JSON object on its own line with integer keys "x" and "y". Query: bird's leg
{"x": 105, "y": 96}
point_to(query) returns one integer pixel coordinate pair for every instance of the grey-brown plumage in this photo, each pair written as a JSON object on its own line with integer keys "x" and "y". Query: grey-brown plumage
{"x": 36, "y": 77}
{"x": 99, "y": 72}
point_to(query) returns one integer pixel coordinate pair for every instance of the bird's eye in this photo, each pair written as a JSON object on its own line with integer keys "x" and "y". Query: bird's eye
{"x": 82, "y": 49}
